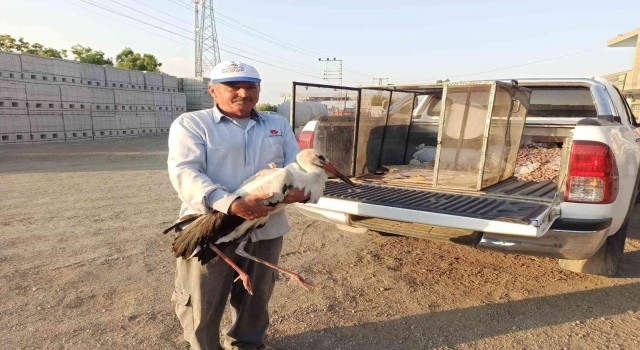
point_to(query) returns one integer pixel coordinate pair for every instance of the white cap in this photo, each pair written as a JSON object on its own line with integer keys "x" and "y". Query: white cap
{"x": 228, "y": 71}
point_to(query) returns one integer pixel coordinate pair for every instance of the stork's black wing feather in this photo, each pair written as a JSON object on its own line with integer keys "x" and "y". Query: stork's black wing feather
{"x": 203, "y": 231}
{"x": 187, "y": 219}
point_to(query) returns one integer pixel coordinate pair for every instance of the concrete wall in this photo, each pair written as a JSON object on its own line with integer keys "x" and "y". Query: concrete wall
{"x": 53, "y": 100}
{"x": 14, "y": 118}
{"x": 76, "y": 112}
{"x": 44, "y": 106}
{"x": 103, "y": 113}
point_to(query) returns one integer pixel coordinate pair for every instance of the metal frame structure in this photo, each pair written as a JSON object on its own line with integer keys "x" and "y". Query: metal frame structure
{"x": 207, "y": 51}
{"x": 485, "y": 135}
{"x": 358, "y": 107}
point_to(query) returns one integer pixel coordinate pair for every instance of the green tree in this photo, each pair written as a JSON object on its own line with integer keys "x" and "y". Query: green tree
{"x": 128, "y": 59}
{"x": 9, "y": 43}
{"x": 85, "y": 54}
{"x": 378, "y": 99}
{"x": 266, "y": 107}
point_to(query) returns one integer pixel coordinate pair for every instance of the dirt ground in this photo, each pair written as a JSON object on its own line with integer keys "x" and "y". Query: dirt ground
{"x": 84, "y": 266}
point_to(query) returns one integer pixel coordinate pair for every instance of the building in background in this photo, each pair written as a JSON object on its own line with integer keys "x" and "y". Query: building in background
{"x": 628, "y": 81}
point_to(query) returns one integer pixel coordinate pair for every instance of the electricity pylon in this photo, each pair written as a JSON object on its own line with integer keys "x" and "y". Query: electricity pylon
{"x": 207, "y": 51}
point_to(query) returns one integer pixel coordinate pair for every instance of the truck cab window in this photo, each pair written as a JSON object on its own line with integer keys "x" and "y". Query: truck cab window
{"x": 571, "y": 102}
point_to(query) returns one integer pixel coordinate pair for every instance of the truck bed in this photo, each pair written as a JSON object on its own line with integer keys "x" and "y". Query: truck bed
{"x": 510, "y": 201}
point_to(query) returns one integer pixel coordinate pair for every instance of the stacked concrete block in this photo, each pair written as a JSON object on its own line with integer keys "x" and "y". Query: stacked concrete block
{"x": 169, "y": 83}
{"x": 38, "y": 69}
{"x": 76, "y": 112}
{"x": 10, "y": 66}
{"x": 164, "y": 111}
{"x": 145, "y": 111}
{"x": 44, "y": 106}
{"x": 137, "y": 79}
{"x": 118, "y": 78}
{"x": 93, "y": 75}
{"x": 178, "y": 104}
{"x": 126, "y": 111}
{"x": 197, "y": 92}
{"x": 153, "y": 81}
{"x": 14, "y": 118}
{"x": 103, "y": 113}
{"x": 47, "y": 99}
{"x": 67, "y": 72}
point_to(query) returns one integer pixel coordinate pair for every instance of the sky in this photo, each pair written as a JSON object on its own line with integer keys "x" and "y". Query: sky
{"x": 402, "y": 41}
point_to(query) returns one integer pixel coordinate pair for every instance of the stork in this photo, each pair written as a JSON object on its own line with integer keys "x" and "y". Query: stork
{"x": 206, "y": 234}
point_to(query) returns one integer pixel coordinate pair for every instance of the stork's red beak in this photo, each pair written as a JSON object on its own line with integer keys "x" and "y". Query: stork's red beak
{"x": 329, "y": 168}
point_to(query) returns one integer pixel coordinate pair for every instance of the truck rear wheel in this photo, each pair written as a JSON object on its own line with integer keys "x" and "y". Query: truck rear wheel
{"x": 605, "y": 261}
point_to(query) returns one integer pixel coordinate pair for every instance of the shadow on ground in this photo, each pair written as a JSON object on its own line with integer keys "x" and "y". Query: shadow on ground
{"x": 459, "y": 326}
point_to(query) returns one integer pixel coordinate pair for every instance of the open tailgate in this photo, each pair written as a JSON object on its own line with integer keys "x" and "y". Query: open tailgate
{"x": 454, "y": 210}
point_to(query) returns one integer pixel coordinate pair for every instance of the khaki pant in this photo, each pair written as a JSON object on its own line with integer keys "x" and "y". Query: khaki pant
{"x": 201, "y": 293}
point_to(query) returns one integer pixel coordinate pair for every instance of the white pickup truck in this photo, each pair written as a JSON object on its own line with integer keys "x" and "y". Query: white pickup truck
{"x": 581, "y": 217}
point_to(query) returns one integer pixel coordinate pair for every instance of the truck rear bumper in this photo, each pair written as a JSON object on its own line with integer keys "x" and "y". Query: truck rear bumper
{"x": 566, "y": 239}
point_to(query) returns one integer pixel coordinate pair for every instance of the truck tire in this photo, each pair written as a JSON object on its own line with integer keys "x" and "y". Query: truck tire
{"x": 606, "y": 261}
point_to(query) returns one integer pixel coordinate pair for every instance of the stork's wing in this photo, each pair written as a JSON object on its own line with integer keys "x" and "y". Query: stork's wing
{"x": 275, "y": 180}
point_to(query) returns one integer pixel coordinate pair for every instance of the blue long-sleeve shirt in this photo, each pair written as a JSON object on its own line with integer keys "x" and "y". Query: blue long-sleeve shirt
{"x": 210, "y": 156}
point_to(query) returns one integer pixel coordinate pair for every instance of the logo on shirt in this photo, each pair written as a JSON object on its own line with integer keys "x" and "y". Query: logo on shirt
{"x": 274, "y": 132}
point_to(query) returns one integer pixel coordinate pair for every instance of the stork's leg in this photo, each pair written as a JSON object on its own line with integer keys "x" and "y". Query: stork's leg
{"x": 241, "y": 274}
{"x": 294, "y": 276}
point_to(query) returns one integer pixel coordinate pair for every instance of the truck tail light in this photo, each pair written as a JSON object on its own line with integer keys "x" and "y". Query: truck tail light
{"x": 593, "y": 174}
{"x": 305, "y": 140}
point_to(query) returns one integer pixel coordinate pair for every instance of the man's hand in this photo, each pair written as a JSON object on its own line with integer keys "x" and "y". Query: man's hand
{"x": 251, "y": 207}
{"x": 295, "y": 195}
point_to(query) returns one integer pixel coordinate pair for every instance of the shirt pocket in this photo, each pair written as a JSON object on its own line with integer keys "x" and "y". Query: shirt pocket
{"x": 229, "y": 155}
{"x": 273, "y": 150}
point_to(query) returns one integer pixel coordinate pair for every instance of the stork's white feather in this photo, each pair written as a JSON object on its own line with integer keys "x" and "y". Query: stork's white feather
{"x": 275, "y": 180}
{"x": 307, "y": 174}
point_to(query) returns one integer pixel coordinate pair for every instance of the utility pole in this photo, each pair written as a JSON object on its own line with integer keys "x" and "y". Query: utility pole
{"x": 379, "y": 80}
{"x": 332, "y": 69}
{"x": 207, "y": 51}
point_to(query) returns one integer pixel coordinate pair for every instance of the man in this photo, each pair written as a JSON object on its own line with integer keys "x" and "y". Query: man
{"x": 211, "y": 152}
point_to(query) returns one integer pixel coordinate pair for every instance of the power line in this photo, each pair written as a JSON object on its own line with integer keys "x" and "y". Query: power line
{"x": 279, "y": 42}
{"x": 127, "y": 23}
{"x": 269, "y": 58}
{"x": 261, "y": 35}
{"x": 135, "y": 19}
{"x": 380, "y": 80}
{"x": 273, "y": 39}
{"x": 156, "y": 18}
{"x": 335, "y": 73}
{"x": 164, "y": 13}
{"x": 236, "y": 48}
{"x": 191, "y": 39}
{"x": 269, "y": 64}
{"x": 182, "y": 4}
{"x": 529, "y": 63}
